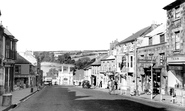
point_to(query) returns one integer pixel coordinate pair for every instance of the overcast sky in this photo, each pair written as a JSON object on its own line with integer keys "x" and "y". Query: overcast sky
{"x": 46, "y": 25}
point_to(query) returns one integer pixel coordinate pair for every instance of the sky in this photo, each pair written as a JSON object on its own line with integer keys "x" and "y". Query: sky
{"x": 53, "y": 25}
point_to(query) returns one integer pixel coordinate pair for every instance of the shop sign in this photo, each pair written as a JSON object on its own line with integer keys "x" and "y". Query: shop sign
{"x": 145, "y": 61}
{"x": 175, "y": 59}
{"x": 175, "y": 67}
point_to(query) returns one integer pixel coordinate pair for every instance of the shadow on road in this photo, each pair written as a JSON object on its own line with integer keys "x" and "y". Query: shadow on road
{"x": 88, "y": 103}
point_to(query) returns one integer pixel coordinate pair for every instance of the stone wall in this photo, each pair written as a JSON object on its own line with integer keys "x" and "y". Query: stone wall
{"x": 175, "y": 24}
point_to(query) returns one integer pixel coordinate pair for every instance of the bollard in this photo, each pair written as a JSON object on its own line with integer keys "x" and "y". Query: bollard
{"x": 7, "y": 99}
{"x": 31, "y": 90}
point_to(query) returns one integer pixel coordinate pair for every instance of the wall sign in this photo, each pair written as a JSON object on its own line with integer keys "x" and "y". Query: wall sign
{"x": 175, "y": 67}
{"x": 176, "y": 59}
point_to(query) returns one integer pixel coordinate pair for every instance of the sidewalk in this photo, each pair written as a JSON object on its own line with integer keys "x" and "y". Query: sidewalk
{"x": 17, "y": 96}
{"x": 166, "y": 98}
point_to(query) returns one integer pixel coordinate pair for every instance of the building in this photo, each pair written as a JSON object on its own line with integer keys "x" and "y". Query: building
{"x": 108, "y": 69}
{"x": 7, "y": 58}
{"x": 96, "y": 66}
{"x": 25, "y": 73}
{"x": 151, "y": 52}
{"x": 61, "y": 74}
{"x": 65, "y": 75}
{"x": 126, "y": 57}
{"x": 88, "y": 75}
{"x": 175, "y": 35}
{"x": 78, "y": 77}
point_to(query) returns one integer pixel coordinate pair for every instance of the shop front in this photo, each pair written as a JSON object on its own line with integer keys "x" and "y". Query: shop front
{"x": 176, "y": 72}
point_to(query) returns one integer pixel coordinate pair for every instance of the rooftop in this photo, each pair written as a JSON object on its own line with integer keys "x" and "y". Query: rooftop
{"x": 159, "y": 30}
{"x": 173, "y": 4}
{"x": 21, "y": 60}
{"x": 98, "y": 60}
{"x": 139, "y": 33}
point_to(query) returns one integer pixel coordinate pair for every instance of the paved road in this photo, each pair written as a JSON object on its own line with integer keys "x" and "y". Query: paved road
{"x": 69, "y": 98}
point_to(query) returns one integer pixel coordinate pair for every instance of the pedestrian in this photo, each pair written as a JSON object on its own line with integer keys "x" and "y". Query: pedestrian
{"x": 111, "y": 86}
{"x": 100, "y": 84}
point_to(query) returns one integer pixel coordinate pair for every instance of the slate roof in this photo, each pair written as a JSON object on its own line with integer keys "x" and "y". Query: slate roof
{"x": 159, "y": 30}
{"x": 139, "y": 33}
{"x": 87, "y": 67}
{"x": 29, "y": 57}
{"x": 21, "y": 60}
{"x": 98, "y": 60}
{"x": 7, "y": 32}
{"x": 173, "y": 4}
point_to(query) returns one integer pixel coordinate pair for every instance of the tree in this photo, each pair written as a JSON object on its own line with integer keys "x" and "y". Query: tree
{"x": 52, "y": 72}
{"x": 81, "y": 63}
{"x": 65, "y": 59}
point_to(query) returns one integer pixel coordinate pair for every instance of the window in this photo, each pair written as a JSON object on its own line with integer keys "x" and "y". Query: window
{"x": 18, "y": 69}
{"x": 150, "y": 56}
{"x": 7, "y": 46}
{"x": 150, "y": 40}
{"x": 162, "y": 38}
{"x": 177, "y": 40}
{"x": 177, "y": 12}
{"x": 131, "y": 60}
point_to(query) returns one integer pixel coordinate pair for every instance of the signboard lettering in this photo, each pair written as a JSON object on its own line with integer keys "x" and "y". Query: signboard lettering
{"x": 176, "y": 59}
{"x": 175, "y": 67}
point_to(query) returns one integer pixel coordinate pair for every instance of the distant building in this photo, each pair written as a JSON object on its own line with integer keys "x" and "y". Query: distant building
{"x": 79, "y": 77}
{"x": 63, "y": 74}
{"x": 25, "y": 73}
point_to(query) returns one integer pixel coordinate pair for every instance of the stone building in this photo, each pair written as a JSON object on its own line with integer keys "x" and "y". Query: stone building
{"x": 151, "y": 52}
{"x": 125, "y": 57}
{"x": 175, "y": 35}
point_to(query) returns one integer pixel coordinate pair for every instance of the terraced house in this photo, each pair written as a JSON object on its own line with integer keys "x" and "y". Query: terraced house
{"x": 7, "y": 60}
{"x": 175, "y": 35}
{"x": 151, "y": 53}
{"x": 126, "y": 59}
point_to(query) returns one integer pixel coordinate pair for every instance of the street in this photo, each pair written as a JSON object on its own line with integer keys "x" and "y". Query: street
{"x": 72, "y": 98}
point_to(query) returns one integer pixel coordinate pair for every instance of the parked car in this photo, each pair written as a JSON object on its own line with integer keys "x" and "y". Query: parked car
{"x": 48, "y": 83}
{"x": 86, "y": 84}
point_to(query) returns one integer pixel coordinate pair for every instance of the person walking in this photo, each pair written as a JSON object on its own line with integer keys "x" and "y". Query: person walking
{"x": 111, "y": 86}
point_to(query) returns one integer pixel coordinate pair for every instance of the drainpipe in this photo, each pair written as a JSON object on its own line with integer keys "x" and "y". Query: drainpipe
{"x": 136, "y": 83}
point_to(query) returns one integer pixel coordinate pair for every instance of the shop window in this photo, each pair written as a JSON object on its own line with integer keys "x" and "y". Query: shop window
{"x": 177, "y": 40}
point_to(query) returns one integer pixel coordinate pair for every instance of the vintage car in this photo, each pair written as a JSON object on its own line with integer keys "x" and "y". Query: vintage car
{"x": 86, "y": 84}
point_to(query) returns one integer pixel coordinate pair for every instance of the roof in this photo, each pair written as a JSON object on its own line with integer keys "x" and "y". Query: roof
{"x": 139, "y": 33}
{"x": 110, "y": 57}
{"x": 98, "y": 60}
{"x": 7, "y": 32}
{"x": 29, "y": 57}
{"x": 158, "y": 30}
{"x": 87, "y": 67}
{"x": 21, "y": 60}
{"x": 173, "y": 4}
